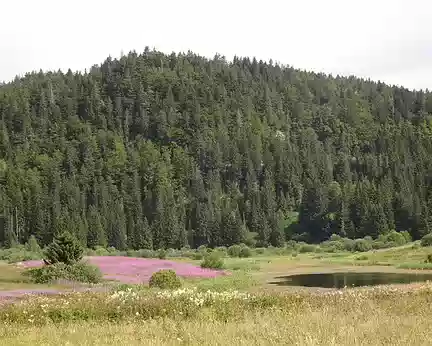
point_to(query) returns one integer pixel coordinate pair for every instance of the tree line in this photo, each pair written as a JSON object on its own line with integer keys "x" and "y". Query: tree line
{"x": 157, "y": 150}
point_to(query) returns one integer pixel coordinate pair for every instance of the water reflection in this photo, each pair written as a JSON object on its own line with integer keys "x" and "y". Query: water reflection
{"x": 350, "y": 279}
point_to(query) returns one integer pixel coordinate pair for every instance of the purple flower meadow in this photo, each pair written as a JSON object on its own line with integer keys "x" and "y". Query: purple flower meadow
{"x": 139, "y": 270}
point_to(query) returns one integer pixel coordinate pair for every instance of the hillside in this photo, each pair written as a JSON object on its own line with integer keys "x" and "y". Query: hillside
{"x": 156, "y": 150}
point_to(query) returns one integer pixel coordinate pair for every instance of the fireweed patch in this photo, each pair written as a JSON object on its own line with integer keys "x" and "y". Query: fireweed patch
{"x": 139, "y": 270}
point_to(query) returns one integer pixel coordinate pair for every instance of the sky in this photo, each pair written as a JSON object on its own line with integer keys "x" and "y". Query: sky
{"x": 387, "y": 40}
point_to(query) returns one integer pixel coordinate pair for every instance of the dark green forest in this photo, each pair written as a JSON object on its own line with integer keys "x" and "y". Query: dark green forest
{"x": 162, "y": 151}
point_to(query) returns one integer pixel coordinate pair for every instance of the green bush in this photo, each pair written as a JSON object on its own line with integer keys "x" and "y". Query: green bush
{"x": 80, "y": 272}
{"x": 362, "y": 245}
{"x": 362, "y": 258}
{"x": 304, "y": 248}
{"x": 64, "y": 249}
{"x": 234, "y": 251}
{"x": 245, "y": 252}
{"x": 349, "y": 244}
{"x": 407, "y": 236}
{"x": 222, "y": 251}
{"x": 20, "y": 256}
{"x": 165, "y": 279}
{"x": 203, "y": 248}
{"x": 32, "y": 245}
{"x": 335, "y": 237}
{"x": 426, "y": 240}
{"x": 378, "y": 244}
{"x": 212, "y": 261}
{"x": 292, "y": 244}
{"x": 396, "y": 238}
{"x": 332, "y": 246}
{"x": 428, "y": 258}
{"x": 145, "y": 253}
{"x": 162, "y": 254}
{"x": 260, "y": 250}
{"x": 101, "y": 251}
{"x": 197, "y": 256}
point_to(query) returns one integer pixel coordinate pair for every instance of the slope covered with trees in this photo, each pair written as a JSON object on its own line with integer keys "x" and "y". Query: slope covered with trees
{"x": 157, "y": 151}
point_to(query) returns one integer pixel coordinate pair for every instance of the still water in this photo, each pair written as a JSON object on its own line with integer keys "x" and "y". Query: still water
{"x": 350, "y": 279}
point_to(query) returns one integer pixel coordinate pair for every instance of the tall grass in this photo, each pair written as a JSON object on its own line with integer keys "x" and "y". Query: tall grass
{"x": 378, "y": 316}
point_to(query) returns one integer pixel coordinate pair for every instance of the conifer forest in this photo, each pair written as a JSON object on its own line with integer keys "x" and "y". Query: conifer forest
{"x": 157, "y": 150}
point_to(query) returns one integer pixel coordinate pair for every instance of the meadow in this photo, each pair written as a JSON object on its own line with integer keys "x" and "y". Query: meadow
{"x": 238, "y": 306}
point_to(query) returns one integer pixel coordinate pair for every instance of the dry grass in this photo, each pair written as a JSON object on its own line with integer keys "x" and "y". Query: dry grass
{"x": 384, "y": 321}
{"x": 385, "y": 316}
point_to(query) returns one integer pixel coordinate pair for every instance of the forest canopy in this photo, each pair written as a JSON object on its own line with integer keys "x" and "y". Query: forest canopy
{"x": 155, "y": 151}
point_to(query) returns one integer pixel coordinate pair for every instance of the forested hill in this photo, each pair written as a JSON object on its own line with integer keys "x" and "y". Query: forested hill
{"x": 157, "y": 151}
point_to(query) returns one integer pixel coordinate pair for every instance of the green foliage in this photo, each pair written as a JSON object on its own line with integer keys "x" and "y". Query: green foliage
{"x": 426, "y": 240}
{"x": 245, "y": 252}
{"x": 18, "y": 254}
{"x": 80, "y": 272}
{"x": 160, "y": 151}
{"x": 396, "y": 238}
{"x": 304, "y": 248}
{"x": 32, "y": 245}
{"x": 162, "y": 254}
{"x": 64, "y": 249}
{"x": 165, "y": 279}
{"x": 407, "y": 236}
{"x": 213, "y": 261}
{"x": 428, "y": 258}
{"x": 362, "y": 245}
{"x": 234, "y": 250}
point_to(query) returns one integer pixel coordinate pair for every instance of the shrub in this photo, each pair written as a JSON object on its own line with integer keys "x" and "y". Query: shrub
{"x": 165, "y": 279}
{"x": 292, "y": 244}
{"x": 222, "y": 251}
{"x": 202, "y": 248}
{"x": 81, "y": 272}
{"x": 332, "y": 245}
{"x": 212, "y": 261}
{"x": 307, "y": 248}
{"x": 335, "y": 237}
{"x": 396, "y": 237}
{"x": 378, "y": 244}
{"x": 197, "y": 256}
{"x": 416, "y": 246}
{"x": 245, "y": 252}
{"x": 368, "y": 238}
{"x": 260, "y": 250}
{"x": 32, "y": 245}
{"x": 101, "y": 251}
{"x": 349, "y": 244}
{"x": 19, "y": 256}
{"x": 145, "y": 253}
{"x": 426, "y": 240}
{"x": 162, "y": 254}
{"x": 64, "y": 249}
{"x": 362, "y": 245}
{"x": 234, "y": 251}
{"x": 362, "y": 258}
{"x": 429, "y": 258}
{"x": 407, "y": 236}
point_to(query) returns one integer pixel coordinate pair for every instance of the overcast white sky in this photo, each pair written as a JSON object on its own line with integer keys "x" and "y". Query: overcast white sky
{"x": 390, "y": 40}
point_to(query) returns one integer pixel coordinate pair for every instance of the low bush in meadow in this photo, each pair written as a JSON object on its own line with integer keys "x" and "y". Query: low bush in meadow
{"x": 234, "y": 251}
{"x": 426, "y": 240}
{"x": 79, "y": 272}
{"x": 165, "y": 279}
{"x": 213, "y": 261}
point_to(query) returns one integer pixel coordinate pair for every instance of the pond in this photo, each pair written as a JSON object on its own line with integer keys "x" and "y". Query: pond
{"x": 350, "y": 279}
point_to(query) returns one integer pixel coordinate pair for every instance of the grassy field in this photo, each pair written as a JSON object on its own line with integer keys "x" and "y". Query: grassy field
{"x": 266, "y": 315}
